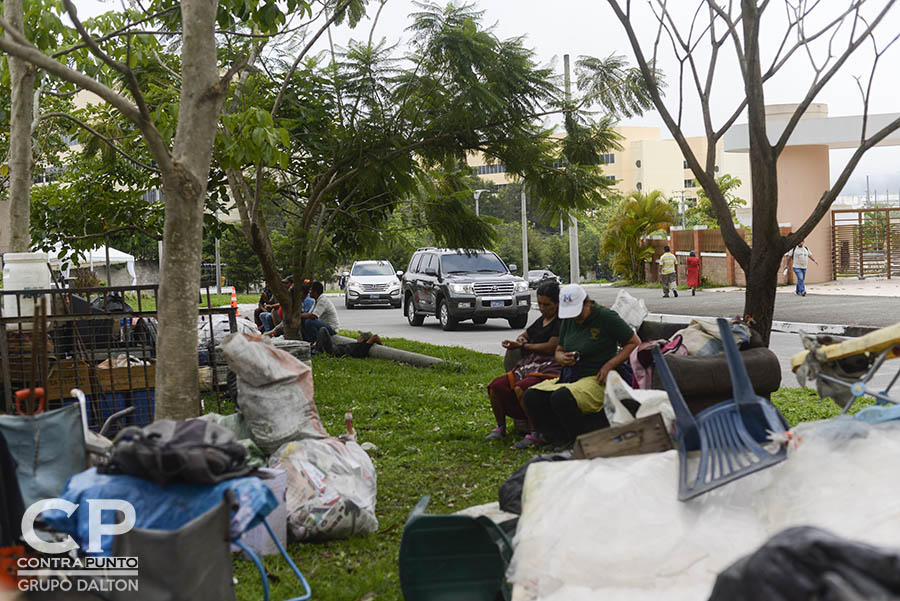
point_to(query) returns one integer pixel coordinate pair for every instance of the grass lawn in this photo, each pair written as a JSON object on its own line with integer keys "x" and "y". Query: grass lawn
{"x": 148, "y": 301}
{"x": 428, "y": 425}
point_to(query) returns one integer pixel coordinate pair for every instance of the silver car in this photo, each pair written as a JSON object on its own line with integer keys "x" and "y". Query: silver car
{"x": 372, "y": 283}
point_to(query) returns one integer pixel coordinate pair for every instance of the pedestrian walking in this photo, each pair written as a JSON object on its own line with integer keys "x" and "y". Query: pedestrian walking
{"x": 667, "y": 275}
{"x": 693, "y": 273}
{"x": 798, "y": 259}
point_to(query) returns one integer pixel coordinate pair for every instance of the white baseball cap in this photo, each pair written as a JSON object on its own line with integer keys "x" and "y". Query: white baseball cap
{"x": 571, "y": 300}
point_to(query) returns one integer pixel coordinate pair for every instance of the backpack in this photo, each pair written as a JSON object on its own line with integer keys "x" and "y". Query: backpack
{"x": 193, "y": 450}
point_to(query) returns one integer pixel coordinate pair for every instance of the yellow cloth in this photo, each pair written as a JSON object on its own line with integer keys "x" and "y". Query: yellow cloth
{"x": 588, "y": 392}
{"x": 667, "y": 263}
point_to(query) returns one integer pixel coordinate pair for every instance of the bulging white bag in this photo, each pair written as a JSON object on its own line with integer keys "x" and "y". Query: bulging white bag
{"x": 330, "y": 488}
{"x": 632, "y": 310}
{"x": 275, "y": 392}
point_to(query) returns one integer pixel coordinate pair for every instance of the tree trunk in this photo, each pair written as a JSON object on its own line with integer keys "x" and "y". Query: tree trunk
{"x": 762, "y": 281}
{"x": 15, "y": 227}
{"x": 184, "y": 187}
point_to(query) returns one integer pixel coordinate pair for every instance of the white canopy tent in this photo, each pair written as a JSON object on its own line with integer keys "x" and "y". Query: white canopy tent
{"x": 96, "y": 256}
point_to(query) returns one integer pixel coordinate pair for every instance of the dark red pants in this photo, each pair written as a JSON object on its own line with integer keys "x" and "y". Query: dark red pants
{"x": 502, "y": 389}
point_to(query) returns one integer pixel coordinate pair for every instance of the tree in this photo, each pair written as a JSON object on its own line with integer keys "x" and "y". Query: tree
{"x": 115, "y": 58}
{"x": 39, "y": 21}
{"x": 703, "y": 212}
{"x": 639, "y": 216}
{"x": 350, "y": 140}
{"x": 828, "y": 35}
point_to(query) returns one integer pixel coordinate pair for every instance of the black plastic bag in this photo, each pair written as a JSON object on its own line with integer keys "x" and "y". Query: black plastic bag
{"x": 510, "y": 494}
{"x": 804, "y": 563}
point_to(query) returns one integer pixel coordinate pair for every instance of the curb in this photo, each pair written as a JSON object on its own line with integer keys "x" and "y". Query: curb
{"x": 787, "y": 327}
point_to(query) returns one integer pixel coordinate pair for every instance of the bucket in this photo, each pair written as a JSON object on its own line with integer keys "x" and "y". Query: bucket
{"x": 24, "y": 271}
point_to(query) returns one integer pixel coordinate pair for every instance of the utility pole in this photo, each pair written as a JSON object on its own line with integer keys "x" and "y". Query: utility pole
{"x": 524, "y": 234}
{"x": 574, "y": 259}
{"x": 478, "y": 194}
{"x": 867, "y": 192}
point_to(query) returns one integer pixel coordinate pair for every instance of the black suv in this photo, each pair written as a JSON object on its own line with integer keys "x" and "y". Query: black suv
{"x": 455, "y": 284}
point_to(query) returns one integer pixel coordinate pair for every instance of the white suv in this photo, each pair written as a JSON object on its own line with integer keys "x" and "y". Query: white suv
{"x": 372, "y": 283}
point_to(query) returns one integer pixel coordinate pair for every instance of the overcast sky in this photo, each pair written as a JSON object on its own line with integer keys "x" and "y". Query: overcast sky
{"x": 589, "y": 27}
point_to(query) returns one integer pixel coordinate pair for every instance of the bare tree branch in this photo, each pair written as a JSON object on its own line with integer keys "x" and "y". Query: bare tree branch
{"x": 818, "y": 85}
{"x": 100, "y": 136}
{"x": 115, "y": 230}
{"x": 117, "y": 32}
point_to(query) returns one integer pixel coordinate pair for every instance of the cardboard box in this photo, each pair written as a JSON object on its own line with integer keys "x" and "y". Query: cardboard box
{"x": 644, "y": 435}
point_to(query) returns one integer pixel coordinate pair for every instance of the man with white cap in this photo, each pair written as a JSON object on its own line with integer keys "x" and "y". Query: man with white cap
{"x": 593, "y": 341}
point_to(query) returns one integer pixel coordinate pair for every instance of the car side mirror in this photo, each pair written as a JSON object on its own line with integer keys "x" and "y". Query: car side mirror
{"x": 513, "y": 267}
{"x": 400, "y": 274}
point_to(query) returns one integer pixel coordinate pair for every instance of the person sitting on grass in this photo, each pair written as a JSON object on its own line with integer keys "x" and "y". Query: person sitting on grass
{"x": 359, "y": 349}
{"x": 322, "y": 315}
{"x": 589, "y": 339}
{"x": 537, "y": 346}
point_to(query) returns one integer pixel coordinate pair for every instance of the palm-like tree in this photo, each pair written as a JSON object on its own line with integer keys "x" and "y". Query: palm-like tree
{"x": 639, "y": 216}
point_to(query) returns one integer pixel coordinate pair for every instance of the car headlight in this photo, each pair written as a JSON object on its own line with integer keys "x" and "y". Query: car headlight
{"x": 521, "y": 286}
{"x": 353, "y": 284}
{"x": 462, "y": 288}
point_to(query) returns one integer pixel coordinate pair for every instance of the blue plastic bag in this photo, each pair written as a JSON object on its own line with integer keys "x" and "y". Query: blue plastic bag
{"x": 157, "y": 506}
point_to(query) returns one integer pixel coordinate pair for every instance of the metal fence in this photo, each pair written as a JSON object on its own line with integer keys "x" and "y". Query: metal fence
{"x": 100, "y": 340}
{"x": 865, "y": 242}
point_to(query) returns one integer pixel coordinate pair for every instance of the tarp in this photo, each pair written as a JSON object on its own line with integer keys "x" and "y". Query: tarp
{"x": 96, "y": 256}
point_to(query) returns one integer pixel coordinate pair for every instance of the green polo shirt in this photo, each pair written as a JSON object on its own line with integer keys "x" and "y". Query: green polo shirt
{"x": 597, "y": 339}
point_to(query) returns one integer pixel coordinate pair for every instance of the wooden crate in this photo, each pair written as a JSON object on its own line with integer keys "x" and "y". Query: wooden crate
{"x": 117, "y": 379}
{"x": 65, "y": 375}
{"x": 644, "y": 435}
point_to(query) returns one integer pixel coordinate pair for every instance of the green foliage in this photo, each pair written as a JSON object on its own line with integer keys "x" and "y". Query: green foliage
{"x": 620, "y": 90}
{"x": 804, "y": 405}
{"x": 704, "y": 213}
{"x": 638, "y": 216}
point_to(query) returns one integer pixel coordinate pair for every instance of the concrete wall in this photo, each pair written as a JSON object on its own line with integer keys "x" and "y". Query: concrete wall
{"x": 802, "y": 179}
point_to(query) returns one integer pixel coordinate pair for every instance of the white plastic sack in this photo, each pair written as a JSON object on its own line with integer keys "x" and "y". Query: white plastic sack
{"x": 651, "y": 401}
{"x": 614, "y": 529}
{"x": 330, "y": 488}
{"x": 632, "y": 310}
{"x": 275, "y": 392}
{"x": 221, "y": 328}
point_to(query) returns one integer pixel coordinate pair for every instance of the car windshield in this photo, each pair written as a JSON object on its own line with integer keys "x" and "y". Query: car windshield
{"x": 469, "y": 263}
{"x": 373, "y": 269}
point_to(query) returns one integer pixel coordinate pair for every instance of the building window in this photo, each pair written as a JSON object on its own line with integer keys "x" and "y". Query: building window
{"x": 608, "y": 159}
{"x": 637, "y": 163}
{"x": 689, "y": 183}
{"x": 490, "y": 169}
{"x": 638, "y": 186}
{"x": 686, "y": 166}
{"x": 610, "y": 178}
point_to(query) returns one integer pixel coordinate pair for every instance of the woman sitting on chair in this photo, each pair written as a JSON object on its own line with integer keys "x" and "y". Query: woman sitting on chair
{"x": 537, "y": 346}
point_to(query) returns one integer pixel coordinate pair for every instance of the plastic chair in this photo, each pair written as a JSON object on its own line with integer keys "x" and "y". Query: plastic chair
{"x": 453, "y": 557}
{"x": 728, "y": 434}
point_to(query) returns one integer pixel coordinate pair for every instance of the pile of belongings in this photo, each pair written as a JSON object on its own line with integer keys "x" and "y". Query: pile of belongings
{"x": 331, "y": 482}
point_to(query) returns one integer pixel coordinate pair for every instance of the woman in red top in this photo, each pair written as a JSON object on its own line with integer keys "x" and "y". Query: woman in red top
{"x": 693, "y": 273}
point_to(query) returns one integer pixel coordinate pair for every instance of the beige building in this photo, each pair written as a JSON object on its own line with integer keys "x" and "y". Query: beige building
{"x": 649, "y": 162}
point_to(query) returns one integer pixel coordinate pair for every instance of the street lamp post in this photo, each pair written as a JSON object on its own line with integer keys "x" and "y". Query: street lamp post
{"x": 478, "y": 194}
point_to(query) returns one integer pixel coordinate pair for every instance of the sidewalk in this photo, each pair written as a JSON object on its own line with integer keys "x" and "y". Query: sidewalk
{"x": 871, "y": 286}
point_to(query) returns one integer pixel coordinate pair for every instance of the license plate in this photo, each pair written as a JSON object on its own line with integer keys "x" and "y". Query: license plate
{"x": 376, "y": 296}
{"x": 496, "y": 304}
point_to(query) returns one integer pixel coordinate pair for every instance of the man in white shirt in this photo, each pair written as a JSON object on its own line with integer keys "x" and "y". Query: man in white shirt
{"x": 800, "y": 256}
{"x": 322, "y": 315}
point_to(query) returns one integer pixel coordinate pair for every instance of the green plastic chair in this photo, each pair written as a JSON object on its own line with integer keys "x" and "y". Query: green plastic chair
{"x": 453, "y": 557}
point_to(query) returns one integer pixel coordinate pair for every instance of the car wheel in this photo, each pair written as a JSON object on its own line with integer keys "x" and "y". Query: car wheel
{"x": 347, "y": 303}
{"x": 479, "y": 320}
{"x": 414, "y": 319}
{"x": 448, "y": 322}
{"x": 519, "y": 321}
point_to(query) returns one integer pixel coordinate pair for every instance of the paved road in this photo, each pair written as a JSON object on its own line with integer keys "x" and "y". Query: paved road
{"x": 877, "y": 311}
{"x": 486, "y": 338}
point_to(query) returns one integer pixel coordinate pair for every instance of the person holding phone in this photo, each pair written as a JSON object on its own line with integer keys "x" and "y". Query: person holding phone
{"x": 593, "y": 341}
